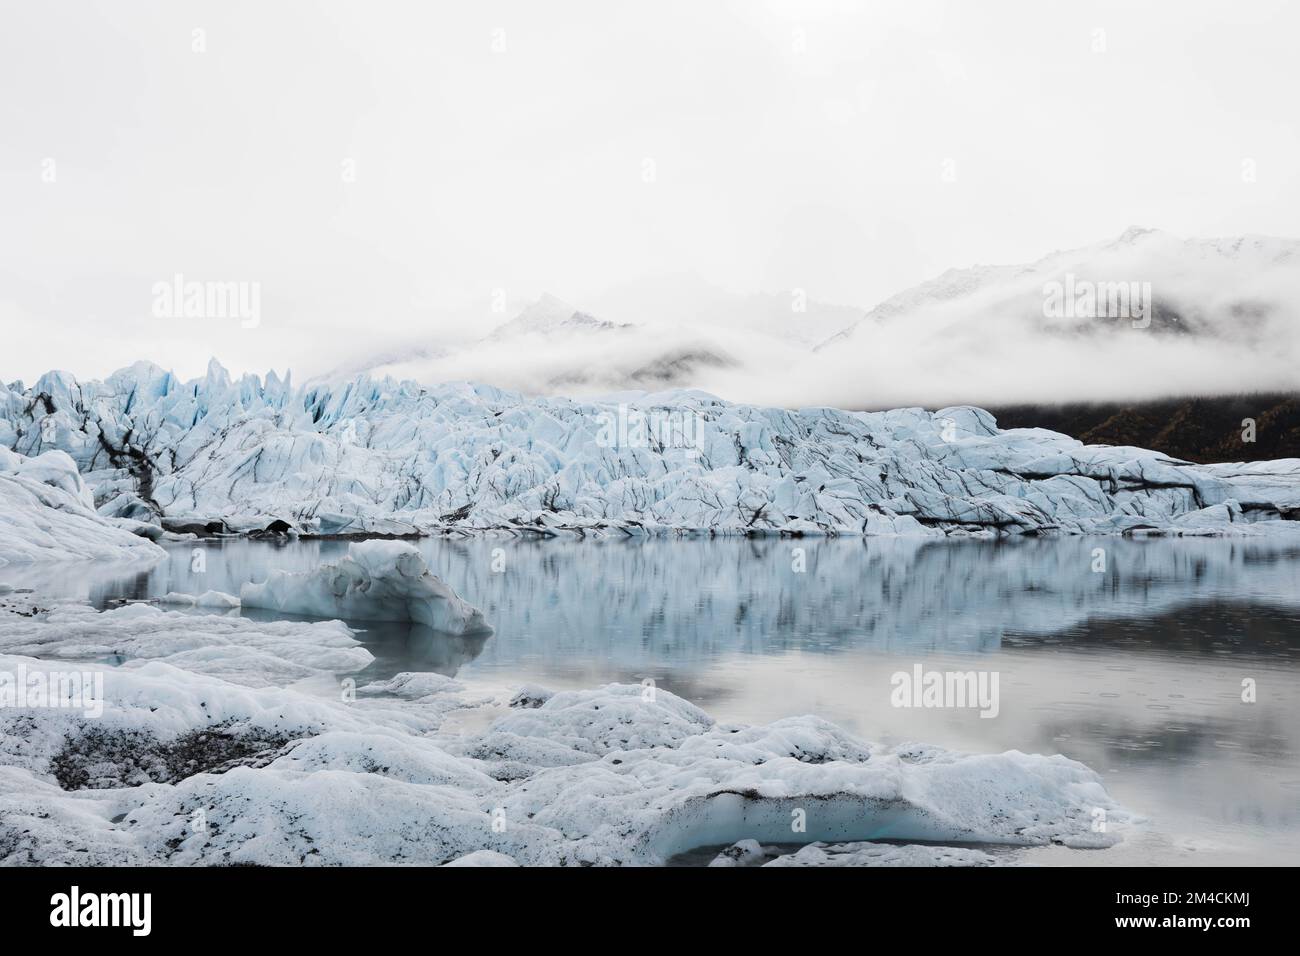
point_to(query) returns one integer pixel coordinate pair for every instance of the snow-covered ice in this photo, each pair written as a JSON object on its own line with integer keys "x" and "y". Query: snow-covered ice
{"x": 483, "y": 858}
{"x": 239, "y": 650}
{"x": 884, "y": 854}
{"x": 752, "y": 853}
{"x": 381, "y": 456}
{"x": 47, "y": 514}
{"x": 230, "y": 741}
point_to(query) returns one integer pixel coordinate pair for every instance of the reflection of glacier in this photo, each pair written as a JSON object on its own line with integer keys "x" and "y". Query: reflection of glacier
{"x": 666, "y": 603}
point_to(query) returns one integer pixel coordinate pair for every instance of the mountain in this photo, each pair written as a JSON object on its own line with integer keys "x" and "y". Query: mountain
{"x": 1144, "y": 316}
{"x": 1139, "y": 317}
{"x": 550, "y": 316}
{"x": 1240, "y": 286}
{"x": 674, "y": 331}
{"x": 551, "y": 347}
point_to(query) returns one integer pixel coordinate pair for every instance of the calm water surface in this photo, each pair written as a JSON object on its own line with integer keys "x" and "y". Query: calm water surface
{"x": 1136, "y": 669}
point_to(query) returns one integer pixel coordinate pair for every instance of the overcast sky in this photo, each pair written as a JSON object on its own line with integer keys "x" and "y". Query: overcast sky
{"x": 382, "y": 168}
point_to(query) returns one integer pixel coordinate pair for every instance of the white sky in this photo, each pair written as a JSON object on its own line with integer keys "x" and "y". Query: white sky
{"x": 522, "y": 170}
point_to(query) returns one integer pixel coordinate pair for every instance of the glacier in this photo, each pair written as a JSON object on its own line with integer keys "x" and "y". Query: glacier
{"x": 47, "y": 514}
{"x": 378, "y": 456}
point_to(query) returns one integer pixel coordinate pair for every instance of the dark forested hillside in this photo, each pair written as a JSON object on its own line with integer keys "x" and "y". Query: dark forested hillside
{"x": 1195, "y": 429}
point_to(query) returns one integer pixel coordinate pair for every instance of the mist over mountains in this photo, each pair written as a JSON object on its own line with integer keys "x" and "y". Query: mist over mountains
{"x": 1143, "y": 316}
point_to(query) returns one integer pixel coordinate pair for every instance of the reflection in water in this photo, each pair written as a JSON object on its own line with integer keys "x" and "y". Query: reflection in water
{"x": 653, "y": 601}
{"x": 398, "y": 646}
{"x": 1136, "y": 669}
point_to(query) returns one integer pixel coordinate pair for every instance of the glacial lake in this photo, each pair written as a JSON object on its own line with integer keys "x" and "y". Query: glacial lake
{"x": 1128, "y": 655}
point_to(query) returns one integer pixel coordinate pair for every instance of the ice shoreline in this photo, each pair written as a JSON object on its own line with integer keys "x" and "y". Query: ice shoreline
{"x": 253, "y": 730}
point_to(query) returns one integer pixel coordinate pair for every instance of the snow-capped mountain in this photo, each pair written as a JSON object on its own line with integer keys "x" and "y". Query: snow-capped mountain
{"x": 551, "y": 347}
{"x": 1228, "y": 287}
{"x": 1142, "y": 316}
{"x": 665, "y": 332}
{"x": 550, "y": 316}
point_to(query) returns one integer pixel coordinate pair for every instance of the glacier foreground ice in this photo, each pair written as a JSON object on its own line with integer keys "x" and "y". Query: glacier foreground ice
{"x": 752, "y": 853}
{"x": 376, "y": 581}
{"x": 47, "y": 514}
{"x": 193, "y": 761}
{"x": 238, "y": 650}
{"x": 380, "y": 456}
{"x": 883, "y": 854}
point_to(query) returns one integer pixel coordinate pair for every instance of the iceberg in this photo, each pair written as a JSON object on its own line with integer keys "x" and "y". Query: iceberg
{"x": 208, "y": 599}
{"x": 377, "y": 581}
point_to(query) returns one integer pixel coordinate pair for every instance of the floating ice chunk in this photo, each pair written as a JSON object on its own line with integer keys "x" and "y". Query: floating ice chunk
{"x": 741, "y": 853}
{"x": 216, "y": 599}
{"x": 209, "y": 599}
{"x": 377, "y": 581}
